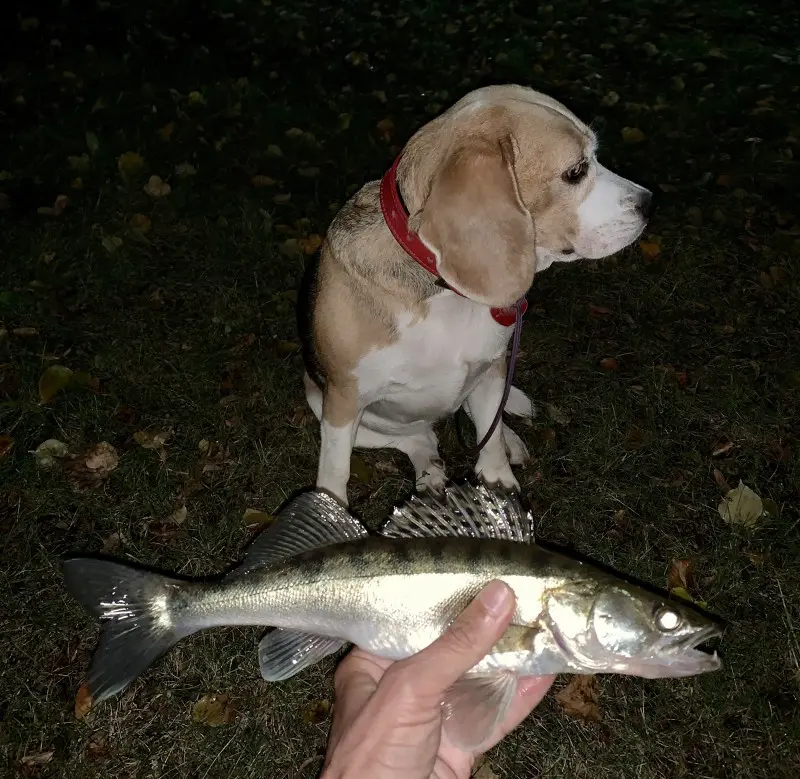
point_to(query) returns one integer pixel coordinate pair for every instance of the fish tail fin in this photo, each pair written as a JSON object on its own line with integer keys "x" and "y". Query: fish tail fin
{"x": 140, "y": 615}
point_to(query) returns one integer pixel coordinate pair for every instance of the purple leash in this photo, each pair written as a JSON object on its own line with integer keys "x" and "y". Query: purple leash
{"x": 509, "y": 379}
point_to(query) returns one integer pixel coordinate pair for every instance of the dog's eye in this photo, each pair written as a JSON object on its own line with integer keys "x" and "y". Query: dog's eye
{"x": 576, "y": 173}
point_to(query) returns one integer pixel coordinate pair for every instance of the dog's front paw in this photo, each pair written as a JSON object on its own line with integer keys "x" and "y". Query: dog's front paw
{"x": 494, "y": 474}
{"x": 433, "y": 479}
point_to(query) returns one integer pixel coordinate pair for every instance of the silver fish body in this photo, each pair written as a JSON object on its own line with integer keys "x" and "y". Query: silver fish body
{"x": 323, "y": 582}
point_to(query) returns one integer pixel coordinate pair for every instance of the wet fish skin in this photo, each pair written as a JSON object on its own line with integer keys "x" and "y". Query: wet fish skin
{"x": 323, "y": 582}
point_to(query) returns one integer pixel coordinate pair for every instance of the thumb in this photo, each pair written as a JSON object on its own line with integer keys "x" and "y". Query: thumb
{"x": 465, "y": 642}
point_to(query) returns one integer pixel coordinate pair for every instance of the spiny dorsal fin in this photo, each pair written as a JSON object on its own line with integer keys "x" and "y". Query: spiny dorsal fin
{"x": 464, "y": 510}
{"x": 310, "y": 521}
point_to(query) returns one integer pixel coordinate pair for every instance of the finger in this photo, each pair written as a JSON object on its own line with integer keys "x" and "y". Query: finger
{"x": 467, "y": 641}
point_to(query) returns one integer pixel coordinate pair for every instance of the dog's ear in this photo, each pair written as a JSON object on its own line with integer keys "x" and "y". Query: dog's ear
{"x": 475, "y": 222}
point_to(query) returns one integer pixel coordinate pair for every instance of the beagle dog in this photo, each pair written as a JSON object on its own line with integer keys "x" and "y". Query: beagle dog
{"x": 407, "y": 311}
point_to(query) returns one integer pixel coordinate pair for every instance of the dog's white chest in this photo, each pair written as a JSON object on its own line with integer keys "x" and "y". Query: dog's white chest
{"x": 435, "y": 362}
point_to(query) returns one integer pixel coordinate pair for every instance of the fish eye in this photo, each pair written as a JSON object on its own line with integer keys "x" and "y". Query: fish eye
{"x": 667, "y": 619}
{"x": 576, "y": 173}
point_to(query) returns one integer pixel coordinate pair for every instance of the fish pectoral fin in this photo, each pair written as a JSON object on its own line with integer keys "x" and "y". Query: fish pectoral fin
{"x": 464, "y": 511}
{"x": 283, "y": 653}
{"x": 312, "y": 520}
{"x": 475, "y": 705}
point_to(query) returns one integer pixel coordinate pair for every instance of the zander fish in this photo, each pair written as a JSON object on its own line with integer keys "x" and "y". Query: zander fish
{"x": 323, "y": 582}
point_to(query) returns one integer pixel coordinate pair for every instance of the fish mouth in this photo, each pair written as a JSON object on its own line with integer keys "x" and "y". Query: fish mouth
{"x": 700, "y": 649}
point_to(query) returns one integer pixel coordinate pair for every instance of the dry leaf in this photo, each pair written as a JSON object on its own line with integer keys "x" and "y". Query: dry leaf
{"x": 556, "y": 414}
{"x": 609, "y": 364}
{"x": 741, "y": 506}
{"x": 6, "y": 445}
{"x": 152, "y": 439}
{"x": 311, "y": 244}
{"x": 90, "y": 468}
{"x": 282, "y": 198}
{"x": 140, "y": 222}
{"x": 598, "y": 311}
{"x": 316, "y": 712}
{"x": 49, "y": 451}
{"x": 35, "y": 760}
{"x": 156, "y": 187}
{"x": 178, "y": 517}
{"x": 256, "y": 518}
{"x": 112, "y": 543}
{"x": 62, "y": 201}
{"x": 83, "y": 702}
{"x": 684, "y": 594}
{"x": 286, "y": 348}
{"x": 632, "y": 135}
{"x": 308, "y": 173}
{"x": 721, "y": 449}
{"x": 213, "y": 710}
{"x": 185, "y": 169}
{"x": 111, "y": 243}
{"x": 680, "y": 574}
{"x": 97, "y": 748}
{"x": 580, "y": 698}
{"x": 130, "y": 164}
{"x": 262, "y": 181}
{"x": 196, "y": 98}
{"x": 166, "y": 131}
{"x": 25, "y": 332}
{"x": 649, "y": 249}
{"x": 721, "y": 481}
{"x": 52, "y": 381}
{"x": 294, "y": 132}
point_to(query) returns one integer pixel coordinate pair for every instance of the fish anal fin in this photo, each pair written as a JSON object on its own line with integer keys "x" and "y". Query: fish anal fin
{"x": 475, "y": 705}
{"x": 284, "y": 653}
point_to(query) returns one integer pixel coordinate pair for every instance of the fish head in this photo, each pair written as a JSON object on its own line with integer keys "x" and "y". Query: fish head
{"x": 620, "y": 628}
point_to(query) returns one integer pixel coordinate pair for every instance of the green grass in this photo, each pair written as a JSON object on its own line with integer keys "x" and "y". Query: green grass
{"x": 183, "y": 326}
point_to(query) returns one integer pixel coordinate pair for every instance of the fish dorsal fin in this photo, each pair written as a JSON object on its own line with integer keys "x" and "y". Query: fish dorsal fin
{"x": 464, "y": 510}
{"x": 310, "y": 521}
{"x": 475, "y": 705}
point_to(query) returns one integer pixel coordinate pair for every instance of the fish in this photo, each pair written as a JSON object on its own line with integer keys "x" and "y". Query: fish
{"x": 322, "y": 582}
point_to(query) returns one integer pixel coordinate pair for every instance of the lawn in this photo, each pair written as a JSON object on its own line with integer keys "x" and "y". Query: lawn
{"x": 664, "y": 376}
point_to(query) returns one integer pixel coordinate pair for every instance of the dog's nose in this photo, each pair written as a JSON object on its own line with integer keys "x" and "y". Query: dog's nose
{"x": 645, "y": 204}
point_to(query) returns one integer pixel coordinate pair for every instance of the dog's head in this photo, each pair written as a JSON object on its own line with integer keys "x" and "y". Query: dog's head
{"x": 505, "y": 183}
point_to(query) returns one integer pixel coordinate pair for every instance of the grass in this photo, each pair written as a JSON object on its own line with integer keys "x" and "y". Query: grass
{"x": 188, "y": 328}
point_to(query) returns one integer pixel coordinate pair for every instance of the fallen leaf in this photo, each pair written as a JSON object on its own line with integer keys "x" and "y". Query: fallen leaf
{"x": 609, "y": 364}
{"x": 25, "y": 332}
{"x": 361, "y": 470}
{"x": 36, "y": 760}
{"x": 680, "y": 574}
{"x": 274, "y": 150}
{"x": 741, "y": 506}
{"x": 720, "y": 480}
{"x": 152, "y": 439}
{"x": 609, "y": 99}
{"x": 286, "y": 348}
{"x": 92, "y": 144}
{"x": 97, "y": 748}
{"x": 156, "y": 187}
{"x": 166, "y": 131}
{"x": 635, "y": 439}
{"x": 316, "y": 712}
{"x": 294, "y": 132}
{"x": 196, "y": 98}
{"x": 308, "y": 173}
{"x": 185, "y": 170}
{"x": 213, "y": 710}
{"x": 262, "y": 181}
{"x": 6, "y": 445}
{"x": 55, "y": 379}
{"x": 178, "y": 517}
{"x": 684, "y": 594}
{"x": 91, "y": 467}
{"x": 130, "y": 164}
{"x": 598, "y": 311}
{"x": 112, "y": 543}
{"x": 256, "y": 518}
{"x": 649, "y": 249}
{"x": 49, "y": 451}
{"x": 140, "y": 222}
{"x": 83, "y": 702}
{"x": 284, "y": 197}
{"x": 721, "y": 449}
{"x": 311, "y": 244}
{"x": 580, "y": 698}
{"x": 111, "y": 243}
{"x": 632, "y": 135}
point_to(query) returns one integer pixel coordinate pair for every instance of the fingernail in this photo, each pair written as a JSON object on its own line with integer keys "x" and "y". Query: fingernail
{"x": 495, "y": 597}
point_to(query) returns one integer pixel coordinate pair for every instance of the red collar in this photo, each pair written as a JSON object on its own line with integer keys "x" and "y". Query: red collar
{"x": 396, "y": 216}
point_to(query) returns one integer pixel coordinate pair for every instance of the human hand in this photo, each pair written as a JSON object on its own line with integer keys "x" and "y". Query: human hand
{"x": 387, "y": 721}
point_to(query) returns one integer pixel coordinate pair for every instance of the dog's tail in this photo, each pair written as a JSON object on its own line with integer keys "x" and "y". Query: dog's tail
{"x": 519, "y": 404}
